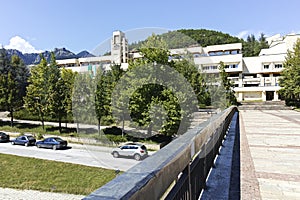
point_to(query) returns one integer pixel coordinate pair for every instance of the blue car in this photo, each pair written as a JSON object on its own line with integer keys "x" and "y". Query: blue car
{"x": 52, "y": 143}
{"x": 26, "y": 140}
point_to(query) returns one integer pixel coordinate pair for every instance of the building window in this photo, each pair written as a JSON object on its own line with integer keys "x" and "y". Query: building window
{"x": 233, "y": 66}
{"x": 266, "y": 66}
{"x": 278, "y": 66}
{"x": 213, "y": 67}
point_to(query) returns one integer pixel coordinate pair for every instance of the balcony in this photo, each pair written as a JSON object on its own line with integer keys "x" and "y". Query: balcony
{"x": 251, "y": 80}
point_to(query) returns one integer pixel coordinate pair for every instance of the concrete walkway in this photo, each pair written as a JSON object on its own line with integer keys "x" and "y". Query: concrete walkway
{"x": 270, "y": 154}
{"x": 13, "y": 194}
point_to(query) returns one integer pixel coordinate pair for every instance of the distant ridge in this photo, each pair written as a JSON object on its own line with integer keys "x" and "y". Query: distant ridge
{"x": 60, "y": 53}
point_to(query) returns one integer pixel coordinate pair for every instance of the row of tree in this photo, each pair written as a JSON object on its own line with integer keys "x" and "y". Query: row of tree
{"x": 13, "y": 81}
{"x": 153, "y": 93}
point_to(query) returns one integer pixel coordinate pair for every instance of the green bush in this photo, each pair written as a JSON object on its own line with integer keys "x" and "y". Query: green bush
{"x": 39, "y": 136}
{"x": 26, "y": 115}
{"x": 112, "y": 131}
{"x": 107, "y": 120}
{"x": 117, "y": 139}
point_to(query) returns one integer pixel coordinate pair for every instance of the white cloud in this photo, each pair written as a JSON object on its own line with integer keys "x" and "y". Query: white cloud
{"x": 243, "y": 34}
{"x": 22, "y": 45}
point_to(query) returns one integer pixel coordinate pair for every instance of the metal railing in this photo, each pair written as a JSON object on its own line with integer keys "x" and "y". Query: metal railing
{"x": 178, "y": 171}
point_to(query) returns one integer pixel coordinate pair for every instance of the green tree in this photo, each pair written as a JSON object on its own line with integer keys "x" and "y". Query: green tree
{"x": 58, "y": 93}
{"x": 13, "y": 79}
{"x": 103, "y": 96}
{"x": 37, "y": 97}
{"x": 187, "y": 37}
{"x": 189, "y": 70}
{"x": 83, "y": 99}
{"x": 263, "y": 44}
{"x": 290, "y": 80}
{"x": 252, "y": 47}
{"x": 160, "y": 89}
{"x": 111, "y": 79}
{"x": 228, "y": 86}
{"x": 68, "y": 76}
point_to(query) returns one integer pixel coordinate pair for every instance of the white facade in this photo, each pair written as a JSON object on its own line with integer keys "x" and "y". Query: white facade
{"x": 255, "y": 78}
{"x": 119, "y": 56}
{"x": 119, "y": 48}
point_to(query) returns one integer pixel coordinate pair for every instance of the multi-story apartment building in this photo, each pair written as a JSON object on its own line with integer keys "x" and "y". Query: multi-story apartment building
{"x": 255, "y": 78}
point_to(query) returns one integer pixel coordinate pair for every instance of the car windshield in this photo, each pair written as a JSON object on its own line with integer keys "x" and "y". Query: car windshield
{"x": 30, "y": 137}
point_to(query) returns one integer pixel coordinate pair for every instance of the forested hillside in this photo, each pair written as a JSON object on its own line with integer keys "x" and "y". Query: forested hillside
{"x": 201, "y": 37}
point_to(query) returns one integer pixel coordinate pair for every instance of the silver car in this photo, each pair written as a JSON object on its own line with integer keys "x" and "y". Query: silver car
{"x": 137, "y": 151}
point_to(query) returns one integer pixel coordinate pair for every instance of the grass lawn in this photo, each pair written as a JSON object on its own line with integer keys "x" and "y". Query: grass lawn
{"x": 36, "y": 174}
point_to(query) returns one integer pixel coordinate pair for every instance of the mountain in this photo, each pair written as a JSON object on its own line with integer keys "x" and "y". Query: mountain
{"x": 60, "y": 53}
{"x": 84, "y": 54}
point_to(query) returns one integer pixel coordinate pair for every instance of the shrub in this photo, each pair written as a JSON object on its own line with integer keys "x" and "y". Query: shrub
{"x": 117, "y": 139}
{"x": 39, "y": 136}
{"x": 112, "y": 131}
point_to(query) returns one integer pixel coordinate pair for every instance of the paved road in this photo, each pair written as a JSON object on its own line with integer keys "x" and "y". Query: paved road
{"x": 270, "y": 154}
{"x": 78, "y": 154}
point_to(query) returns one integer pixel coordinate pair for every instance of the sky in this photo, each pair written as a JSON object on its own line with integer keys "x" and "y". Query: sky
{"x": 39, "y": 25}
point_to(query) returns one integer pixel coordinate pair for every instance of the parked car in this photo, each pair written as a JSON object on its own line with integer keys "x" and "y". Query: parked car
{"x": 52, "y": 143}
{"x": 137, "y": 151}
{"x": 4, "y": 137}
{"x": 24, "y": 140}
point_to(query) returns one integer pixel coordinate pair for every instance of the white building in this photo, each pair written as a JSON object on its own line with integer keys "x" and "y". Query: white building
{"x": 119, "y": 56}
{"x": 260, "y": 77}
{"x": 255, "y": 78}
{"x": 119, "y": 48}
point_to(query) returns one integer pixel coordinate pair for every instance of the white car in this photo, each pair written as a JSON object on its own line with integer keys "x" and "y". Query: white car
{"x": 137, "y": 151}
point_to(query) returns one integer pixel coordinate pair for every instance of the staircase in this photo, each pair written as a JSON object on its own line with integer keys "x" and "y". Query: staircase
{"x": 266, "y": 105}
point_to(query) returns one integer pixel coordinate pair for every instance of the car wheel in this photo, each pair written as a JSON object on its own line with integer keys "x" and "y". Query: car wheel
{"x": 13, "y": 143}
{"x": 54, "y": 147}
{"x": 26, "y": 144}
{"x": 115, "y": 154}
{"x": 38, "y": 146}
{"x": 137, "y": 156}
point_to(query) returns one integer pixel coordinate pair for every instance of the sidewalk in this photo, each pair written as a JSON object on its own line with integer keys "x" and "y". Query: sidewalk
{"x": 270, "y": 154}
{"x": 13, "y": 194}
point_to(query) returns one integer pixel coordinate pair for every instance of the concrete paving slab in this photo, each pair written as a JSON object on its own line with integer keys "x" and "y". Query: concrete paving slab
{"x": 270, "y": 154}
